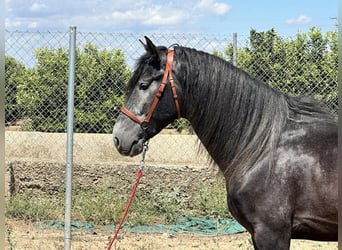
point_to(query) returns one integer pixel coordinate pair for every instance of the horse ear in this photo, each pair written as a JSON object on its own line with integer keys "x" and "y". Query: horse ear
{"x": 144, "y": 45}
{"x": 150, "y": 47}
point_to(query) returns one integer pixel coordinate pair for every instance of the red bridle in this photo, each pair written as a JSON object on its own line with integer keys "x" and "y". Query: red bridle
{"x": 167, "y": 75}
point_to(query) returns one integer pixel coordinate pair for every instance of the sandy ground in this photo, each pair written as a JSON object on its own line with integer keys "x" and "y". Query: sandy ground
{"x": 24, "y": 235}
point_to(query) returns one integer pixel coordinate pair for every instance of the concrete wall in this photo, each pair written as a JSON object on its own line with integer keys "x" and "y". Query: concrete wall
{"x": 165, "y": 149}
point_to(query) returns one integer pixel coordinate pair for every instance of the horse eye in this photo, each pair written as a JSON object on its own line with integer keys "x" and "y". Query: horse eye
{"x": 144, "y": 85}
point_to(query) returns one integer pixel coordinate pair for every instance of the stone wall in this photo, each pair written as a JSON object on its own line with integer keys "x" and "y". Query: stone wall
{"x": 36, "y": 161}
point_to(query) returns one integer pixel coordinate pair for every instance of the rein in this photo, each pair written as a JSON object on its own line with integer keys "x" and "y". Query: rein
{"x": 167, "y": 75}
{"x": 139, "y": 174}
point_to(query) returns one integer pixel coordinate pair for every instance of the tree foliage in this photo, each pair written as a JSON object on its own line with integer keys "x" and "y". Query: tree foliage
{"x": 304, "y": 65}
{"x": 14, "y": 74}
{"x": 100, "y": 80}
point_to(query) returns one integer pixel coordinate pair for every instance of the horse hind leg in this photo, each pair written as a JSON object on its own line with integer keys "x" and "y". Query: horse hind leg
{"x": 265, "y": 238}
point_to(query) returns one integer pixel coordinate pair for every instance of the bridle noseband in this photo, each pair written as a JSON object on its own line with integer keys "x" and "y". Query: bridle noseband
{"x": 167, "y": 75}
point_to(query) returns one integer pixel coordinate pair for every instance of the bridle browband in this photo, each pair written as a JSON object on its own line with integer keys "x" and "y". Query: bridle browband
{"x": 167, "y": 75}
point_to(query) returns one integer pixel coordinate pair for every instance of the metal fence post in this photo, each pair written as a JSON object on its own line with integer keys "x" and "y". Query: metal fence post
{"x": 70, "y": 125}
{"x": 2, "y": 131}
{"x": 235, "y": 49}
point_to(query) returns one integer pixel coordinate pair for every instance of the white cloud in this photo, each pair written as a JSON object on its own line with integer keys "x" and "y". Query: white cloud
{"x": 26, "y": 23}
{"x": 212, "y": 7}
{"x": 33, "y": 25}
{"x": 151, "y": 16}
{"x": 172, "y": 13}
{"x": 7, "y": 6}
{"x": 112, "y": 14}
{"x": 302, "y": 19}
{"x": 35, "y": 7}
{"x": 12, "y": 23}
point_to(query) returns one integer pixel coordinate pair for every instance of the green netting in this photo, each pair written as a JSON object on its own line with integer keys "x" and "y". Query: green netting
{"x": 193, "y": 225}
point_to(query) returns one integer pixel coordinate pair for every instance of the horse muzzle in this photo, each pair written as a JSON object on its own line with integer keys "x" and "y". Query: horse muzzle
{"x": 128, "y": 148}
{"x": 128, "y": 137}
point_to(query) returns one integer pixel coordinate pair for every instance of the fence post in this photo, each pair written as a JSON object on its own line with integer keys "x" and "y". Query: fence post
{"x": 70, "y": 126}
{"x": 235, "y": 49}
{"x": 2, "y": 132}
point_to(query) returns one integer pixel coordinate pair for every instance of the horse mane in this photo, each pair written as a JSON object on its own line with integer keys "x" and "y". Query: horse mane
{"x": 238, "y": 118}
{"x": 310, "y": 107}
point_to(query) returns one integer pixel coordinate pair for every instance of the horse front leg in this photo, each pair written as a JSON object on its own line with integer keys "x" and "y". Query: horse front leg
{"x": 267, "y": 219}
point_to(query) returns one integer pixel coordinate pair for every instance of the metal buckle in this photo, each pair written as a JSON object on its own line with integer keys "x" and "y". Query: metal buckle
{"x": 144, "y": 125}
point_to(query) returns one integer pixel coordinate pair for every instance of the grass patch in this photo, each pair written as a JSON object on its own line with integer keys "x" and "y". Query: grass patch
{"x": 212, "y": 201}
{"x": 25, "y": 207}
{"x": 103, "y": 206}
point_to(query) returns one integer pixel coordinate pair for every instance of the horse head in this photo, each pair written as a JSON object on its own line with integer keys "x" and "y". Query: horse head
{"x": 152, "y": 100}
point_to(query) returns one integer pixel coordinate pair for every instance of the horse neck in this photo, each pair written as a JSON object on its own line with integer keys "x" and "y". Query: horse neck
{"x": 236, "y": 118}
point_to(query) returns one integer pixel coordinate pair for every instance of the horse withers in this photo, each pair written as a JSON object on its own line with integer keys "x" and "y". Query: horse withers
{"x": 278, "y": 153}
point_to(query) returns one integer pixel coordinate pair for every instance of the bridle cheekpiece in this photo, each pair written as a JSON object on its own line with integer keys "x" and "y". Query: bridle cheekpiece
{"x": 167, "y": 75}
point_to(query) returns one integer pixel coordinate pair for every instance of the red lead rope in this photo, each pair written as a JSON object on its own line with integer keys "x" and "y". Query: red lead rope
{"x": 139, "y": 174}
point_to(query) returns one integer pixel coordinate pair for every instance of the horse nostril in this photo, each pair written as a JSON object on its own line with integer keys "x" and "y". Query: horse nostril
{"x": 116, "y": 141}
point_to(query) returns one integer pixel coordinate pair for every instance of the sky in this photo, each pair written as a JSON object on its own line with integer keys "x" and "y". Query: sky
{"x": 287, "y": 17}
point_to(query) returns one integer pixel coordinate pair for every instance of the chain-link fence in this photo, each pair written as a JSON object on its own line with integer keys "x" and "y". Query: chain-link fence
{"x": 36, "y": 115}
{"x": 37, "y": 65}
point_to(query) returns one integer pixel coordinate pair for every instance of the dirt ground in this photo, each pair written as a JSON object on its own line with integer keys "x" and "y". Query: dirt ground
{"x": 49, "y": 177}
{"x": 23, "y": 235}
